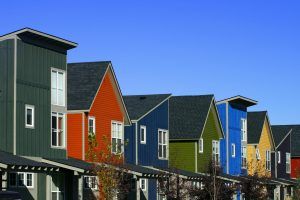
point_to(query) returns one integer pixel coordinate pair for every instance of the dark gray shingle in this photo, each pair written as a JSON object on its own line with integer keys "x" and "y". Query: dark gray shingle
{"x": 84, "y": 80}
{"x": 255, "y": 123}
{"x": 188, "y": 115}
{"x": 279, "y": 133}
{"x": 139, "y": 105}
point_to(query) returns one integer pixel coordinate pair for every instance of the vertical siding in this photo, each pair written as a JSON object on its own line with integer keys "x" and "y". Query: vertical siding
{"x": 74, "y": 145}
{"x": 130, "y": 144}
{"x": 157, "y": 119}
{"x": 182, "y": 155}
{"x": 152, "y": 189}
{"x": 6, "y": 94}
{"x": 210, "y": 133}
{"x": 284, "y": 147}
{"x": 223, "y": 117}
{"x": 33, "y": 87}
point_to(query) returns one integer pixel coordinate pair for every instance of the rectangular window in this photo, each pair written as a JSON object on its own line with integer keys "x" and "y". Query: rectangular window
{"x": 21, "y": 179}
{"x": 233, "y": 150}
{"x": 162, "y": 144}
{"x": 143, "y": 134}
{"x": 57, "y": 187}
{"x": 92, "y": 126}
{"x": 244, "y": 129}
{"x": 268, "y": 160}
{"x": 278, "y": 157}
{"x": 58, "y": 130}
{"x": 201, "y": 145}
{"x": 143, "y": 184}
{"x": 29, "y": 116}
{"x": 216, "y": 152}
{"x": 57, "y": 87}
{"x": 244, "y": 157}
{"x": 117, "y": 137}
{"x": 257, "y": 154}
{"x": 288, "y": 162}
{"x": 90, "y": 182}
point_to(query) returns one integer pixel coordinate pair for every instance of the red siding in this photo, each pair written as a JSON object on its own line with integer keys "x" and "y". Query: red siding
{"x": 295, "y": 167}
{"x": 74, "y": 138}
{"x": 105, "y": 109}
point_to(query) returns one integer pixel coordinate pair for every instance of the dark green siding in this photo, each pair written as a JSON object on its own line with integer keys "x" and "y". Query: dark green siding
{"x": 33, "y": 87}
{"x": 210, "y": 133}
{"x": 6, "y": 94}
{"x": 182, "y": 155}
{"x": 42, "y": 191}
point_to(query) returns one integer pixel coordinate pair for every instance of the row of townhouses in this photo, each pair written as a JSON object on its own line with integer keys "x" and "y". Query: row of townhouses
{"x": 49, "y": 108}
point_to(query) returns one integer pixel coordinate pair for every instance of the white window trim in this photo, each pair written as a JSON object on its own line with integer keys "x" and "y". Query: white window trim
{"x": 201, "y": 145}
{"x": 167, "y": 144}
{"x": 33, "y": 116}
{"x": 257, "y": 154}
{"x": 146, "y": 184}
{"x": 286, "y": 162}
{"x": 217, "y": 153}
{"x": 233, "y": 150}
{"x": 145, "y": 134}
{"x": 64, "y": 86}
{"x": 64, "y": 130}
{"x": 94, "y": 125}
{"x": 24, "y": 180}
{"x": 122, "y": 137}
{"x": 244, "y": 156}
{"x": 244, "y": 129}
{"x": 268, "y": 160}
{"x": 89, "y": 182}
{"x": 278, "y": 157}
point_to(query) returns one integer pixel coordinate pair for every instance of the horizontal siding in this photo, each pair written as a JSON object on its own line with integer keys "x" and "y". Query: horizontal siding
{"x": 74, "y": 146}
{"x": 182, "y": 155}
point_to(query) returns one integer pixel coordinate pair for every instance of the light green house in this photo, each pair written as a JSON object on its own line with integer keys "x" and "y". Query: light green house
{"x": 195, "y": 131}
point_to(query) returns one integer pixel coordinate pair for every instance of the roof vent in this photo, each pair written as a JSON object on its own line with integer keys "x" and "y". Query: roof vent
{"x": 142, "y": 97}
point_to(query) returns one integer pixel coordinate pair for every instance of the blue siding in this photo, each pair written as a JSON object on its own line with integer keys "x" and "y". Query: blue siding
{"x": 235, "y": 114}
{"x": 130, "y": 143}
{"x": 152, "y": 189}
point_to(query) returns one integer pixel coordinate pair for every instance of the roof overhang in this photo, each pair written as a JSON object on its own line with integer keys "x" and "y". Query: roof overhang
{"x": 239, "y": 100}
{"x": 34, "y": 34}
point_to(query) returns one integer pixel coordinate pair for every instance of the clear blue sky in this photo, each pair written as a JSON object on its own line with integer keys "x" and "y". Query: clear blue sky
{"x": 249, "y": 47}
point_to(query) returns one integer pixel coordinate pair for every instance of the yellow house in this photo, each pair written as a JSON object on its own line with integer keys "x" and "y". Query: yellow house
{"x": 260, "y": 143}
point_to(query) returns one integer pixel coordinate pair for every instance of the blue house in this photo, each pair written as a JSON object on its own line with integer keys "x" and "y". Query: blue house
{"x": 233, "y": 115}
{"x": 147, "y": 139}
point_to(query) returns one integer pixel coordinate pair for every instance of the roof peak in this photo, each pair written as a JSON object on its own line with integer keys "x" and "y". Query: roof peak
{"x": 90, "y": 62}
{"x": 239, "y": 99}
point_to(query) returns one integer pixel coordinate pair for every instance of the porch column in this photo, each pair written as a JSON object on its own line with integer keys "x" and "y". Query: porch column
{"x": 79, "y": 186}
{"x": 137, "y": 188}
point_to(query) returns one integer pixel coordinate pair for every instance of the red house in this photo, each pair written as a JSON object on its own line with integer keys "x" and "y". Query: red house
{"x": 295, "y": 151}
{"x": 95, "y": 106}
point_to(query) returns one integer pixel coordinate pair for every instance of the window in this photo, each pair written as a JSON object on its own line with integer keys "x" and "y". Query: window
{"x": 143, "y": 184}
{"x": 288, "y": 162}
{"x": 201, "y": 145}
{"x": 29, "y": 116}
{"x": 58, "y": 130}
{"x": 143, "y": 134}
{"x": 233, "y": 150}
{"x": 268, "y": 160}
{"x": 92, "y": 126}
{"x": 117, "y": 137}
{"x": 162, "y": 144}
{"x": 244, "y": 129}
{"x": 58, "y": 187}
{"x": 257, "y": 154}
{"x": 90, "y": 182}
{"x": 244, "y": 157}
{"x": 216, "y": 152}
{"x": 278, "y": 157}
{"x": 57, "y": 87}
{"x": 21, "y": 179}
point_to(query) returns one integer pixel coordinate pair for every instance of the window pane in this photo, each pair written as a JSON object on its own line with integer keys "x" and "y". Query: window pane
{"x": 114, "y": 142}
{"x": 159, "y": 137}
{"x": 29, "y": 116}
{"x": 21, "y": 179}
{"x": 60, "y": 97}
{"x": 53, "y": 79}
{"x": 164, "y": 151}
{"x": 54, "y": 195}
{"x": 13, "y": 179}
{"x": 119, "y": 145}
{"x": 29, "y": 180}
{"x": 60, "y": 81}
{"x": 160, "y": 150}
{"x": 120, "y": 130}
{"x": 54, "y": 96}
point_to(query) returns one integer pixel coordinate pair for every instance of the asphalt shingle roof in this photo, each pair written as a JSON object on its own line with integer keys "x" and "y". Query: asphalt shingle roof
{"x": 84, "y": 80}
{"x": 255, "y": 123}
{"x": 139, "y": 105}
{"x": 279, "y": 133}
{"x": 188, "y": 115}
{"x": 72, "y": 162}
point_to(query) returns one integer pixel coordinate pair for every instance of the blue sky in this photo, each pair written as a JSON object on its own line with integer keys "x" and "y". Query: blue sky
{"x": 250, "y": 47}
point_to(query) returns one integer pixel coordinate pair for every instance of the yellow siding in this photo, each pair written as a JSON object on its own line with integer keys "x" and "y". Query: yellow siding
{"x": 265, "y": 143}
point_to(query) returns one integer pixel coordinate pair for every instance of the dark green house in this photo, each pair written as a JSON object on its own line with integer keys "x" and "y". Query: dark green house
{"x": 195, "y": 131}
{"x": 33, "y": 105}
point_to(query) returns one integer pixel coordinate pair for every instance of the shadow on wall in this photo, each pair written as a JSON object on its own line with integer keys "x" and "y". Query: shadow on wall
{"x": 89, "y": 194}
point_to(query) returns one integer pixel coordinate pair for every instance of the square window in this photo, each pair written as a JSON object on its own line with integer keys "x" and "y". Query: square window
{"x": 143, "y": 134}
{"x": 29, "y": 116}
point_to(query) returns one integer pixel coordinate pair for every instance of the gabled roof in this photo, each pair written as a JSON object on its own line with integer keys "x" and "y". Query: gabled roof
{"x": 38, "y": 35}
{"x": 255, "y": 123}
{"x": 84, "y": 79}
{"x": 139, "y": 105}
{"x": 188, "y": 116}
{"x": 239, "y": 100}
{"x": 280, "y": 132}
